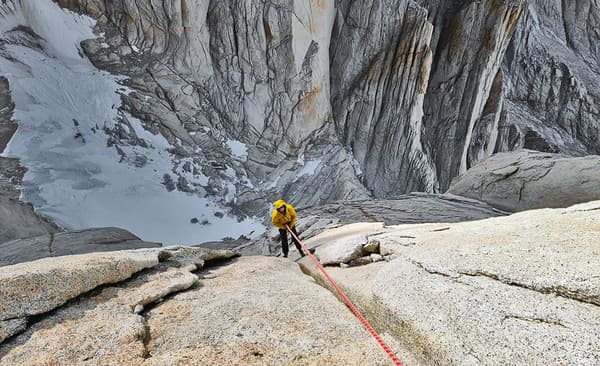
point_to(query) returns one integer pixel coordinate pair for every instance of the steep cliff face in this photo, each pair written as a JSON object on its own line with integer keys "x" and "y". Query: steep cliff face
{"x": 471, "y": 39}
{"x": 249, "y": 71}
{"x": 553, "y": 72}
{"x": 417, "y": 88}
{"x": 320, "y": 100}
{"x": 276, "y": 75}
{"x": 381, "y": 60}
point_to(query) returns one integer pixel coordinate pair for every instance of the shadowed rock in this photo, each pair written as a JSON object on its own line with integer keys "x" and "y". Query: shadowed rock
{"x": 70, "y": 243}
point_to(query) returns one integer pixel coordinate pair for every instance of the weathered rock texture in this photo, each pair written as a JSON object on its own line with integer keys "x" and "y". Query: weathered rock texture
{"x": 346, "y": 100}
{"x": 522, "y": 289}
{"x": 524, "y": 180}
{"x": 7, "y": 125}
{"x": 471, "y": 39}
{"x": 34, "y": 288}
{"x": 255, "y": 311}
{"x": 252, "y": 71}
{"x": 381, "y": 62}
{"x": 69, "y": 243}
{"x": 552, "y": 74}
{"x": 258, "y": 311}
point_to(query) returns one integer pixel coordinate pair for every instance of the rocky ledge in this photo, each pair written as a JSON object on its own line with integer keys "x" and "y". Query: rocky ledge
{"x": 176, "y": 309}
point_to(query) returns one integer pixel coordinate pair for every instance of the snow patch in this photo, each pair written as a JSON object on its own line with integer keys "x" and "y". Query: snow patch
{"x": 309, "y": 168}
{"x": 238, "y": 149}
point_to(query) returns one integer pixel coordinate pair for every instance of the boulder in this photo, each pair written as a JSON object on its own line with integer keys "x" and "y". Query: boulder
{"x": 345, "y": 244}
{"x": 526, "y": 180}
{"x": 70, "y": 243}
{"x": 522, "y": 289}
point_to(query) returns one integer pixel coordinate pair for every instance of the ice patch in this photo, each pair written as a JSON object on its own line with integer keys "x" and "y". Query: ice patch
{"x": 309, "y": 168}
{"x": 238, "y": 149}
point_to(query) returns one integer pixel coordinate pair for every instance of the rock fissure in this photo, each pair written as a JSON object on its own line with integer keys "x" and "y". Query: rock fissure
{"x": 534, "y": 320}
{"x": 50, "y": 242}
{"x": 431, "y": 271}
{"x": 556, "y": 290}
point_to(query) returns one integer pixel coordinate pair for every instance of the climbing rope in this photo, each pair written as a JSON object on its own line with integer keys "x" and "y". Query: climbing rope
{"x": 361, "y": 318}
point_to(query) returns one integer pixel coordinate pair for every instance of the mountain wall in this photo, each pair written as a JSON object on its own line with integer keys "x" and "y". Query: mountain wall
{"x": 320, "y": 101}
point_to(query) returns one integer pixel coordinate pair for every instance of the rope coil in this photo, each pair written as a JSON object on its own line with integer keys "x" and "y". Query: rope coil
{"x": 349, "y": 303}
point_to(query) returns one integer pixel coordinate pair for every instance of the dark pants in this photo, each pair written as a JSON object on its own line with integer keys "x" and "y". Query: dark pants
{"x": 284, "y": 241}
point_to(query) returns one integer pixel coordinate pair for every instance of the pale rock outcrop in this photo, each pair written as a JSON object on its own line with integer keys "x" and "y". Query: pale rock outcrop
{"x": 343, "y": 100}
{"x": 34, "y": 288}
{"x": 256, "y": 310}
{"x": 61, "y": 293}
{"x": 522, "y": 289}
{"x": 524, "y": 180}
{"x": 101, "y": 328}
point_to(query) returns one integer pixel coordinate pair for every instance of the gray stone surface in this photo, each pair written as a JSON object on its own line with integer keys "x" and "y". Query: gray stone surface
{"x": 552, "y": 76}
{"x": 9, "y": 328}
{"x": 471, "y": 39}
{"x": 7, "y": 125}
{"x": 70, "y": 243}
{"x": 523, "y": 180}
{"x": 521, "y": 289}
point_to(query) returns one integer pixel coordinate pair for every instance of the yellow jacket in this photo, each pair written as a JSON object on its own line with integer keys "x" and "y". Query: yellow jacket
{"x": 280, "y": 220}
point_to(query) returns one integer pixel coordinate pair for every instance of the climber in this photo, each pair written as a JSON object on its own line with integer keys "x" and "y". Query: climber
{"x": 285, "y": 214}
